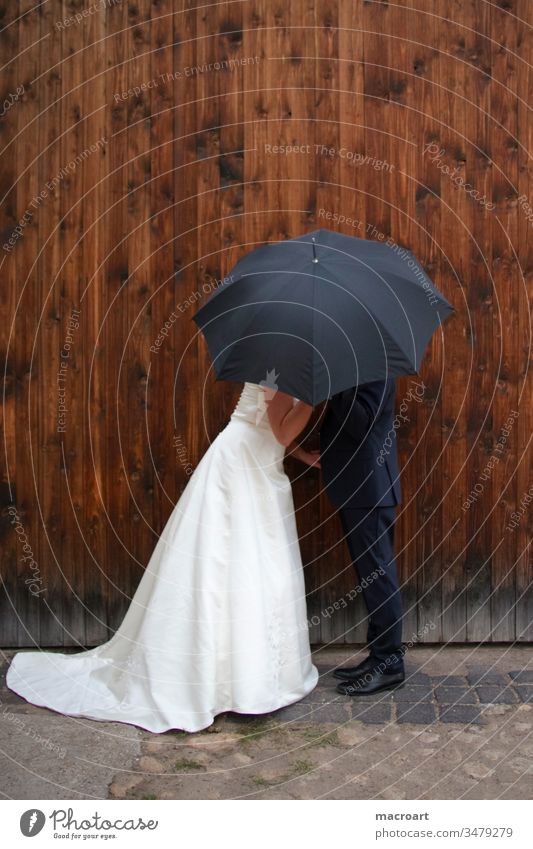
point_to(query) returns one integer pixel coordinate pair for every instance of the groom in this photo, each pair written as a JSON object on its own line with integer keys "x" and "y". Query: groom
{"x": 362, "y": 480}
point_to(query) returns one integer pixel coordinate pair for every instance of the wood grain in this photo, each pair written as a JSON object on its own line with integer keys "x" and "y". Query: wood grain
{"x": 137, "y": 233}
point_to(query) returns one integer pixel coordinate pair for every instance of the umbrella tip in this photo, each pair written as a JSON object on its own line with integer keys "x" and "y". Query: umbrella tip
{"x": 314, "y": 249}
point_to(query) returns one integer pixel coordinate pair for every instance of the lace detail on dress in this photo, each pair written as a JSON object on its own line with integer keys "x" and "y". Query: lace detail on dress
{"x": 275, "y": 635}
{"x": 131, "y": 664}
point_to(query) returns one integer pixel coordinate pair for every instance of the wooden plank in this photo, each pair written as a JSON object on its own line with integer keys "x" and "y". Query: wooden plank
{"x": 524, "y": 426}
{"x": 480, "y": 421}
{"x": 29, "y": 605}
{"x": 93, "y": 303}
{"x": 11, "y": 541}
{"x": 117, "y": 568}
{"x": 504, "y": 264}
{"x": 209, "y": 120}
{"x": 187, "y": 148}
{"x": 453, "y": 151}
{"x": 451, "y": 136}
{"x": 67, "y": 156}
{"x": 162, "y": 447}
{"x": 229, "y": 83}
{"x": 415, "y": 217}
{"x": 140, "y": 535}
{"x": 57, "y": 374}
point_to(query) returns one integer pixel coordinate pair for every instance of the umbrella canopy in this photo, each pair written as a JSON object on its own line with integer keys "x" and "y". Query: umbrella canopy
{"x": 323, "y": 312}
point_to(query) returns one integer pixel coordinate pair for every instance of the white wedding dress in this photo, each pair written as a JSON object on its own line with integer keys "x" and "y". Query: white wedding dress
{"x": 218, "y": 622}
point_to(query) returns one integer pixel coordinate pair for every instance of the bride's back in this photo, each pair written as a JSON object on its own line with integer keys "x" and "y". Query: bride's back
{"x": 251, "y": 406}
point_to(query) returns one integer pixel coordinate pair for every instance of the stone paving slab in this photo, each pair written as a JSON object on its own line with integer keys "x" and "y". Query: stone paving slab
{"x": 525, "y": 692}
{"x": 484, "y": 676}
{"x": 456, "y": 695}
{"x": 415, "y": 678}
{"x": 465, "y": 714}
{"x": 450, "y": 680}
{"x": 419, "y": 713}
{"x": 336, "y": 712}
{"x": 416, "y": 693}
{"x": 372, "y": 714}
{"x": 496, "y": 694}
{"x": 522, "y": 676}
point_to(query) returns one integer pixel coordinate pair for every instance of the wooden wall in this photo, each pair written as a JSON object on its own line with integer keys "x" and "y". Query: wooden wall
{"x": 414, "y": 119}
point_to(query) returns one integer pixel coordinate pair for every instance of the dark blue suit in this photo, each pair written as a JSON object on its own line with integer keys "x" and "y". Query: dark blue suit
{"x": 360, "y": 471}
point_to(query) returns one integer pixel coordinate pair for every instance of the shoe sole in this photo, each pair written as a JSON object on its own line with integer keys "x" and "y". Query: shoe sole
{"x": 396, "y": 686}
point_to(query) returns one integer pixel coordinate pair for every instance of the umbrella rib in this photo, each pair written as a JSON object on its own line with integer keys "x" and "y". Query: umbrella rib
{"x": 314, "y": 339}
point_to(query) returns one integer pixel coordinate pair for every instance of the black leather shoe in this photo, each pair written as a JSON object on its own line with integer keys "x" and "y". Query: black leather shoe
{"x": 349, "y": 673}
{"x": 372, "y": 682}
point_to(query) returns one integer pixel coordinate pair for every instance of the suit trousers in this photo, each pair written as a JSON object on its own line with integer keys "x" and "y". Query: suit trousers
{"x": 369, "y": 533}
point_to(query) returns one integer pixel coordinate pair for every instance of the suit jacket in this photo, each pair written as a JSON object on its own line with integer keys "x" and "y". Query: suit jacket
{"x": 358, "y": 447}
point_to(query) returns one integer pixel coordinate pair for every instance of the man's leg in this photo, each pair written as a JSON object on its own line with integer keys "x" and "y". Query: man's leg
{"x": 370, "y": 537}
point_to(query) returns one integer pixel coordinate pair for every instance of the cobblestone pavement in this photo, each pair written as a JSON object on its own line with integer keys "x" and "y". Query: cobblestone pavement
{"x": 422, "y": 700}
{"x": 460, "y": 727}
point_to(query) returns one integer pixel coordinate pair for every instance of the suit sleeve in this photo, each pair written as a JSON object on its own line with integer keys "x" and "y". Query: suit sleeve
{"x": 356, "y": 410}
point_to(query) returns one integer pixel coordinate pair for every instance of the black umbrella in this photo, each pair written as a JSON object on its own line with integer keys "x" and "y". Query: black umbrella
{"x": 324, "y": 312}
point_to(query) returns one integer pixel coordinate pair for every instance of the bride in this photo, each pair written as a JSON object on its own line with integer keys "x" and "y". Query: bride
{"x": 218, "y": 622}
